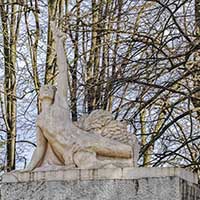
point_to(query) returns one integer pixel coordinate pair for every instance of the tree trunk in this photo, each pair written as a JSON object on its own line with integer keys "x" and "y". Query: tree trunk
{"x": 10, "y": 25}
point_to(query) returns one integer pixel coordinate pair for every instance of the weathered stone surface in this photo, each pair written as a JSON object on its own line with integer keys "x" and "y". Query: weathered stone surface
{"x": 98, "y": 174}
{"x": 101, "y": 184}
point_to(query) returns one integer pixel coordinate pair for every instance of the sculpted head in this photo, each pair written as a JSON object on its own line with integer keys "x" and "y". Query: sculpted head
{"x": 47, "y": 92}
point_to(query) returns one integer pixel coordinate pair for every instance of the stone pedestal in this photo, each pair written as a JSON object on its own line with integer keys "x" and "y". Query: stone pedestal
{"x": 101, "y": 184}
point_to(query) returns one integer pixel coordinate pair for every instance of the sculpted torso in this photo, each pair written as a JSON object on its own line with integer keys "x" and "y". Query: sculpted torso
{"x": 52, "y": 124}
{"x": 53, "y": 129}
{"x": 60, "y": 142}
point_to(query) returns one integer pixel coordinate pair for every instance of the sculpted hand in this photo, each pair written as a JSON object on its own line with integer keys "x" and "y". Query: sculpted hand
{"x": 69, "y": 154}
{"x": 76, "y": 147}
{"x": 57, "y": 33}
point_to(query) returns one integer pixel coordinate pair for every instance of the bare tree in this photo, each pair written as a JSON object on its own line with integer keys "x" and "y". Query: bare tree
{"x": 137, "y": 59}
{"x": 10, "y": 20}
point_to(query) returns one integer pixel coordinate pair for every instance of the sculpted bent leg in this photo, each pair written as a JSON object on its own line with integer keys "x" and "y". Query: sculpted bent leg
{"x": 90, "y": 160}
{"x": 94, "y": 151}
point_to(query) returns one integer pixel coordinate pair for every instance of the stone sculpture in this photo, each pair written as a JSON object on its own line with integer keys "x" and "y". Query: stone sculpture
{"x": 61, "y": 143}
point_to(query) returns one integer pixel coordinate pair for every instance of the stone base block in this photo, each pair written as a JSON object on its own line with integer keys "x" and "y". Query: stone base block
{"x": 101, "y": 184}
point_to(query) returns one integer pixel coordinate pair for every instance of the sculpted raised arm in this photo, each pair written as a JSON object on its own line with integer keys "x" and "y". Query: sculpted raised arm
{"x": 62, "y": 78}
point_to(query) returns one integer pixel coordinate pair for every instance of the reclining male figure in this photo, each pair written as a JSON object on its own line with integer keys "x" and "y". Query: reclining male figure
{"x": 67, "y": 144}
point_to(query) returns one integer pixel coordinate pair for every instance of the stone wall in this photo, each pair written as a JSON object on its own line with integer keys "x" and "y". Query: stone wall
{"x": 188, "y": 190}
{"x": 102, "y": 184}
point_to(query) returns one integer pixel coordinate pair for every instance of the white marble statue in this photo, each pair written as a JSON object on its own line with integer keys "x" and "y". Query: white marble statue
{"x": 61, "y": 143}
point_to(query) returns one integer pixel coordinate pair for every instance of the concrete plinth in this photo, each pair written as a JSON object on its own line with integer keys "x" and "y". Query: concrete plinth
{"x": 101, "y": 184}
